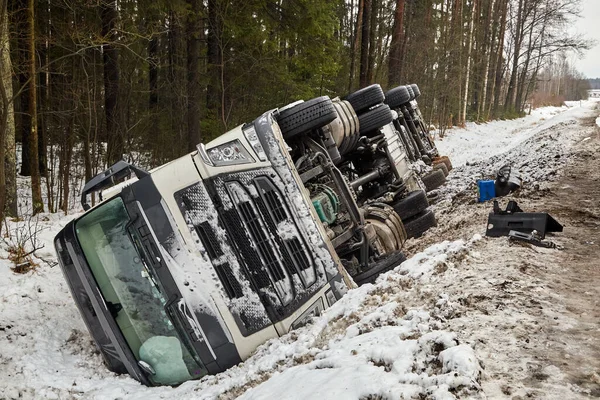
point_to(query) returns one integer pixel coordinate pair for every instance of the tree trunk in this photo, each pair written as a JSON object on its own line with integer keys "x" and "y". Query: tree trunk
{"x": 68, "y": 156}
{"x": 193, "y": 72}
{"x": 7, "y": 121}
{"x": 114, "y": 135}
{"x": 355, "y": 44}
{"x": 372, "y": 41}
{"x": 158, "y": 147}
{"x": 36, "y": 187}
{"x": 496, "y": 86}
{"x": 214, "y": 59}
{"x": 8, "y": 176}
{"x": 539, "y": 57}
{"x": 177, "y": 82}
{"x": 510, "y": 95}
{"x": 364, "y": 45}
{"x": 522, "y": 80}
{"x": 23, "y": 122}
{"x": 488, "y": 56}
{"x": 468, "y": 73}
{"x": 394, "y": 63}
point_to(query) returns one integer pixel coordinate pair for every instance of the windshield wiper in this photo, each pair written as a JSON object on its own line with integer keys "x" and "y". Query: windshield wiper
{"x": 187, "y": 327}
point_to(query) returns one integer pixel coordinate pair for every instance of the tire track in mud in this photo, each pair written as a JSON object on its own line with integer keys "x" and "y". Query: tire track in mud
{"x": 576, "y": 201}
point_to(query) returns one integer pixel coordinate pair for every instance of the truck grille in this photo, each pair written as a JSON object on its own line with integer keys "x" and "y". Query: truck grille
{"x": 229, "y": 265}
{"x": 298, "y": 254}
{"x": 251, "y": 260}
{"x": 295, "y": 257}
{"x": 209, "y": 240}
{"x": 230, "y": 284}
{"x": 261, "y": 241}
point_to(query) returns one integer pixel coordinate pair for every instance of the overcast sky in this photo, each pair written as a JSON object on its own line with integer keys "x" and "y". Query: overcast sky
{"x": 589, "y": 25}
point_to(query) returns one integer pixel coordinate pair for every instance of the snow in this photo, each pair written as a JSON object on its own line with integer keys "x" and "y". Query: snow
{"x": 479, "y": 141}
{"x": 393, "y": 339}
{"x": 368, "y": 343}
{"x": 536, "y": 151}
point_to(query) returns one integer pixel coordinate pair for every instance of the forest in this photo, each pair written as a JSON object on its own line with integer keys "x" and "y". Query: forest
{"x": 85, "y": 83}
{"x": 594, "y": 83}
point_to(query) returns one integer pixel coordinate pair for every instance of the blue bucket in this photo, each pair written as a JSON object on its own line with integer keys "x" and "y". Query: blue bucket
{"x": 486, "y": 191}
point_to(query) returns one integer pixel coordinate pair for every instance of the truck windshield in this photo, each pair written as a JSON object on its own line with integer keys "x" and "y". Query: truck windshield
{"x": 132, "y": 296}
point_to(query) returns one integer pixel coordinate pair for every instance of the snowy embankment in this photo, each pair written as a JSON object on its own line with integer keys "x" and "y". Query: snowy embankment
{"x": 389, "y": 340}
{"x": 536, "y": 147}
{"x": 370, "y": 343}
{"x": 480, "y": 141}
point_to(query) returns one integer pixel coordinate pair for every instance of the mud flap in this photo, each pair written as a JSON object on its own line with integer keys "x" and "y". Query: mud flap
{"x": 500, "y": 222}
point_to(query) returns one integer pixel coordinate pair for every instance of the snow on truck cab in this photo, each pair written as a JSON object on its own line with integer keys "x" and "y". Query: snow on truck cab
{"x": 184, "y": 270}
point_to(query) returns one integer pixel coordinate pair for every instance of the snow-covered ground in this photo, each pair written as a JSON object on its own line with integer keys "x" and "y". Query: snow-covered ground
{"x": 392, "y": 340}
{"x": 536, "y": 147}
{"x": 479, "y": 141}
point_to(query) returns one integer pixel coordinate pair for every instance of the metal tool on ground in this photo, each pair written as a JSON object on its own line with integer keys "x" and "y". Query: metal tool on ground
{"x": 531, "y": 238}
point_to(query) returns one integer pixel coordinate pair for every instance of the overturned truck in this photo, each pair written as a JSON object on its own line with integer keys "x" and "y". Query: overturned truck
{"x": 184, "y": 270}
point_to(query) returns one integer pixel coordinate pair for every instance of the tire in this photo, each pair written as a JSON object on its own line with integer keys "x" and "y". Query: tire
{"x": 410, "y": 92}
{"x": 417, "y": 225}
{"x": 433, "y": 197}
{"x": 306, "y": 116}
{"x": 414, "y": 203}
{"x": 386, "y": 263}
{"x": 374, "y": 119}
{"x": 366, "y": 98}
{"x": 434, "y": 180}
{"x": 442, "y": 167}
{"x": 445, "y": 160}
{"x": 397, "y": 97}
{"x": 415, "y": 90}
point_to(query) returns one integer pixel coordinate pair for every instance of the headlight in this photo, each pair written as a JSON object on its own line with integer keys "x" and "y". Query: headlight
{"x": 229, "y": 153}
{"x": 252, "y": 138}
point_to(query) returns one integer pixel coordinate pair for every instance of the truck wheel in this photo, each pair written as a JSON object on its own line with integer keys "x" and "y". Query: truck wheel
{"x": 411, "y": 205}
{"x": 386, "y": 263}
{"x": 445, "y": 160}
{"x": 442, "y": 167}
{"x": 415, "y": 90}
{"x": 410, "y": 92}
{"x": 306, "y": 116}
{"x": 375, "y": 119}
{"x": 366, "y": 98}
{"x": 397, "y": 97}
{"x": 434, "y": 180}
{"x": 417, "y": 225}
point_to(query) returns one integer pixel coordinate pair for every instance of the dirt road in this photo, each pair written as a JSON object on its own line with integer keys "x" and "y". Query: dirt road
{"x": 534, "y": 320}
